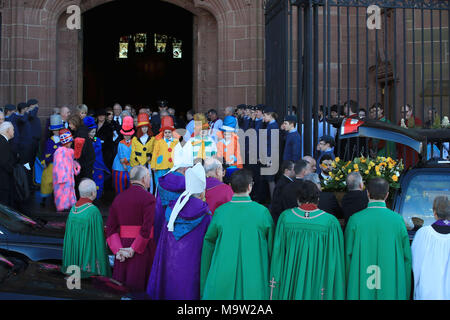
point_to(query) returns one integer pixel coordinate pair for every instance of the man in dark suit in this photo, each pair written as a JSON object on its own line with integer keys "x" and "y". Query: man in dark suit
{"x": 36, "y": 130}
{"x": 7, "y": 162}
{"x": 289, "y": 191}
{"x": 156, "y": 119}
{"x": 356, "y": 198}
{"x": 287, "y": 168}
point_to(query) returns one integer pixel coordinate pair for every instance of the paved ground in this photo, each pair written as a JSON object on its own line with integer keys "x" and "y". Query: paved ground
{"x": 33, "y": 208}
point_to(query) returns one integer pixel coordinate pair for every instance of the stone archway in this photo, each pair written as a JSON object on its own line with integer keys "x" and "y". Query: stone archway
{"x": 41, "y": 59}
{"x": 69, "y": 85}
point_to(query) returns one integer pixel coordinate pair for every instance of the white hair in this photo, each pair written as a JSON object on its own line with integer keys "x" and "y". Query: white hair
{"x": 354, "y": 181}
{"x": 5, "y": 126}
{"x": 313, "y": 177}
{"x": 125, "y": 114}
{"x": 138, "y": 173}
{"x": 87, "y": 188}
{"x": 211, "y": 164}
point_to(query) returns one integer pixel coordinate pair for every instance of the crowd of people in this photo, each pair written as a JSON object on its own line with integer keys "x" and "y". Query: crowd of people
{"x": 224, "y": 246}
{"x": 193, "y": 219}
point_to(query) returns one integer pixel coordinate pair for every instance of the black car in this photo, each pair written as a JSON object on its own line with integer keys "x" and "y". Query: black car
{"x": 418, "y": 188}
{"x": 420, "y": 184}
{"x": 32, "y": 238}
{"x": 22, "y": 279}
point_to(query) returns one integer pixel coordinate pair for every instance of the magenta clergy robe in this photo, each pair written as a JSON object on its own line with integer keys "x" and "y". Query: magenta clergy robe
{"x": 217, "y": 193}
{"x": 130, "y": 224}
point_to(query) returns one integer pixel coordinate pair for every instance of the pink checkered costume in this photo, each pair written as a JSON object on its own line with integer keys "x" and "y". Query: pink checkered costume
{"x": 64, "y": 170}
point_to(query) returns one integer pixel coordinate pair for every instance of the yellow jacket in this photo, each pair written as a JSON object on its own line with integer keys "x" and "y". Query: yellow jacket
{"x": 163, "y": 154}
{"x": 140, "y": 152}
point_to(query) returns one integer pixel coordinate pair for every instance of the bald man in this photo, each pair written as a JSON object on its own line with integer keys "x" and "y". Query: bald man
{"x": 129, "y": 231}
{"x": 311, "y": 164}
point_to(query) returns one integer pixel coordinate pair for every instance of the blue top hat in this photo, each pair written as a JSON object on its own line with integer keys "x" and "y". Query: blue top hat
{"x": 56, "y": 122}
{"x": 229, "y": 124}
{"x": 90, "y": 123}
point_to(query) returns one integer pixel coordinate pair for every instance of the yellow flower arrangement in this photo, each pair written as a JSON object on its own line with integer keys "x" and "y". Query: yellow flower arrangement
{"x": 386, "y": 168}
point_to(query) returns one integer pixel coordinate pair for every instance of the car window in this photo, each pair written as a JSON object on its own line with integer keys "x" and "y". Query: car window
{"x": 420, "y": 194}
{"x": 15, "y": 220}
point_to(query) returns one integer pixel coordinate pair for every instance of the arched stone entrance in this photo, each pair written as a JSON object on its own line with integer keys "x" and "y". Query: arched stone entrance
{"x": 41, "y": 58}
{"x": 69, "y": 84}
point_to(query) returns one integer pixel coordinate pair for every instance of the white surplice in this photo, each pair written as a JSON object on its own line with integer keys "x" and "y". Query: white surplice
{"x": 431, "y": 264}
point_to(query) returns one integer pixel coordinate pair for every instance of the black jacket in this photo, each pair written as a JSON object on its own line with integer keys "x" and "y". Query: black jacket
{"x": 289, "y": 195}
{"x": 87, "y": 157}
{"x": 276, "y": 206}
{"x": 327, "y": 200}
{"x": 352, "y": 202}
{"x": 105, "y": 134}
{"x": 7, "y": 162}
{"x": 329, "y": 203}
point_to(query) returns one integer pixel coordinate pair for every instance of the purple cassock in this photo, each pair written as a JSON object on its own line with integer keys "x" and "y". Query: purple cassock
{"x": 170, "y": 187}
{"x": 176, "y": 267}
{"x": 130, "y": 224}
{"x": 217, "y": 193}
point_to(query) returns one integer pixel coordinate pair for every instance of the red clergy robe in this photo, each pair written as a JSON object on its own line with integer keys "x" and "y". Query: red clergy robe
{"x": 130, "y": 224}
{"x": 217, "y": 193}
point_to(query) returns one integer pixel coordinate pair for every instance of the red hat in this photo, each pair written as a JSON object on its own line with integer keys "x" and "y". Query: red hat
{"x": 143, "y": 120}
{"x": 167, "y": 124}
{"x": 127, "y": 126}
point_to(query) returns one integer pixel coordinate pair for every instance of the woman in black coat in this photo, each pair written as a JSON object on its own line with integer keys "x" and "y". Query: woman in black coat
{"x": 87, "y": 157}
{"x": 105, "y": 134}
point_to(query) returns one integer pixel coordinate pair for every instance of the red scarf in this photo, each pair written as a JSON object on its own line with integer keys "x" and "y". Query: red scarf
{"x": 308, "y": 207}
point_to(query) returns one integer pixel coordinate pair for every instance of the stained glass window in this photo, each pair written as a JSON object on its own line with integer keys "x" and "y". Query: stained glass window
{"x": 177, "y": 48}
{"x": 140, "y": 40}
{"x": 123, "y": 47}
{"x": 160, "y": 43}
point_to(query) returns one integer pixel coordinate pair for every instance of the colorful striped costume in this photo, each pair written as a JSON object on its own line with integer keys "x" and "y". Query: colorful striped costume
{"x": 203, "y": 147}
{"x": 121, "y": 177}
{"x": 64, "y": 171}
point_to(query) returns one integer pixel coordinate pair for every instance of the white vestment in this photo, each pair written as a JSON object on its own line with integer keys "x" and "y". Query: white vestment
{"x": 431, "y": 264}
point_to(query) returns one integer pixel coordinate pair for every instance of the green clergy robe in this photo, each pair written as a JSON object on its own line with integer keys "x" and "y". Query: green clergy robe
{"x": 84, "y": 242}
{"x": 236, "y": 252}
{"x": 377, "y": 254}
{"x": 308, "y": 257}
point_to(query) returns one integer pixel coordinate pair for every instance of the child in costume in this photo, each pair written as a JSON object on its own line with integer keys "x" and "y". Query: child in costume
{"x": 165, "y": 142}
{"x": 64, "y": 170}
{"x": 203, "y": 144}
{"x": 142, "y": 145}
{"x": 228, "y": 146}
{"x": 100, "y": 169}
{"x": 53, "y": 143}
{"x": 121, "y": 164}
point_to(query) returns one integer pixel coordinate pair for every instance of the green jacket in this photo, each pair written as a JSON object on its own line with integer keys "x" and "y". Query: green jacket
{"x": 377, "y": 255}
